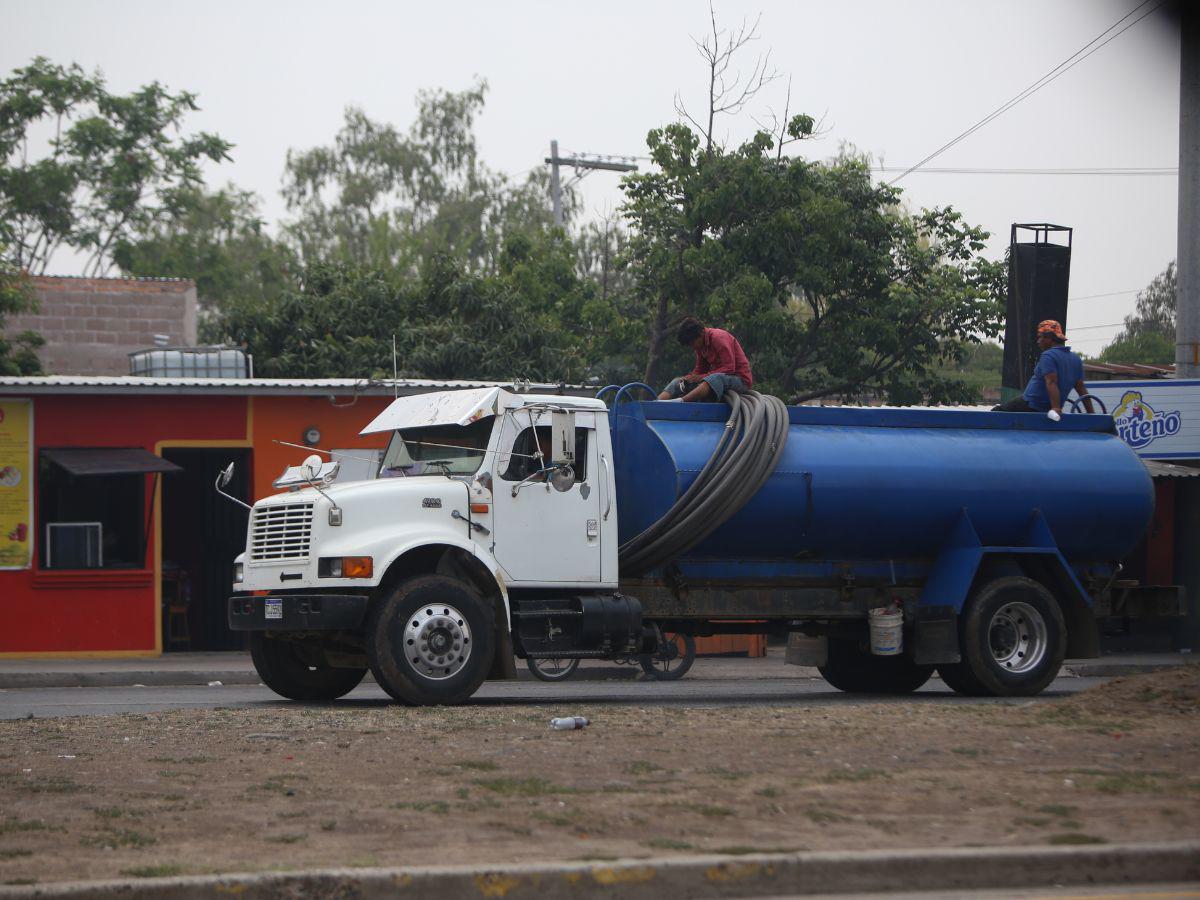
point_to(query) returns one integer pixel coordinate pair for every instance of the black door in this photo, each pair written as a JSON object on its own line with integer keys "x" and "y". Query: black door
{"x": 202, "y": 533}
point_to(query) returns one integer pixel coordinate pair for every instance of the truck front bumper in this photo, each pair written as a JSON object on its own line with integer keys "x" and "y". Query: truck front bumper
{"x": 297, "y": 612}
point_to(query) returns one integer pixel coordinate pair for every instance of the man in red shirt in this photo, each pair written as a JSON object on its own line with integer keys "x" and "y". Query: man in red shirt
{"x": 721, "y": 365}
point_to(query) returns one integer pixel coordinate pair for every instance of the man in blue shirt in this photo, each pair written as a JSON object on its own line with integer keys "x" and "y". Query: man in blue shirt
{"x": 1057, "y": 372}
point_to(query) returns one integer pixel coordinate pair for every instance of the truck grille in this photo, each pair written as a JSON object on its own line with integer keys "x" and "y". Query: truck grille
{"x": 281, "y": 532}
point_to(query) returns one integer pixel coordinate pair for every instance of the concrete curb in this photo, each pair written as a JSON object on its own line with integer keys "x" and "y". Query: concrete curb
{"x": 713, "y": 876}
{"x": 193, "y": 677}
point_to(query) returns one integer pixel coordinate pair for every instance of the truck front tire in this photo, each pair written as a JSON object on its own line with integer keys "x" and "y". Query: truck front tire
{"x": 298, "y": 672}
{"x": 1013, "y": 640}
{"x": 855, "y": 670}
{"x": 429, "y": 640}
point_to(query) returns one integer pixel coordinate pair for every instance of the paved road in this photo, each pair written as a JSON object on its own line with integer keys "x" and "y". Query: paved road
{"x": 688, "y": 692}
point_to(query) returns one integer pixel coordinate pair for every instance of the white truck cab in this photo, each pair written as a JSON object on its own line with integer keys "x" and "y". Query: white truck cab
{"x": 491, "y": 511}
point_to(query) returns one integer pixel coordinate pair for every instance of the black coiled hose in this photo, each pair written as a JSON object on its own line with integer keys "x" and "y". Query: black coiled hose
{"x": 747, "y": 453}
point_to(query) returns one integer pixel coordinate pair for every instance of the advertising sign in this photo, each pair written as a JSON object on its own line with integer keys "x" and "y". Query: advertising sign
{"x": 16, "y": 483}
{"x": 1159, "y": 419}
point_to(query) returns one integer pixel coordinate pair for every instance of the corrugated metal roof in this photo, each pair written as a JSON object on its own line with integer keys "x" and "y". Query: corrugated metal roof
{"x": 1096, "y": 368}
{"x": 1159, "y": 469}
{"x": 130, "y": 384}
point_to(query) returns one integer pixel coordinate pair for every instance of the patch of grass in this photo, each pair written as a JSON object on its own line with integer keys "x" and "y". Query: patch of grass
{"x": 288, "y": 838}
{"x": 743, "y": 850}
{"x": 441, "y": 807}
{"x": 17, "y": 826}
{"x": 1032, "y": 821}
{"x": 729, "y": 774}
{"x": 708, "y": 810}
{"x": 329, "y": 826}
{"x": 164, "y": 870}
{"x": 462, "y": 793}
{"x": 50, "y": 784}
{"x": 1074, "y": 837}
{"x": 1057, "y": 809}
{"x": 824, "y": 816}
{"x": 1127, "y": 783}
{"x": 669, "y": 844}
{"x": 512, "y": 827}
{"x": 14, "y": 853}
{"x": 278, "y": 784}
{"x": 839, "y": 775}
{"x": 185, "y": 760}
{"x": 964, "y": 751}
{"x": 769, "y": 792}
{"x": 116, "y": 838}
{"x": 21, "y": 882}
{"x": 176, "y": 773}
{"x": 522, "y": 787}
{"x": 642, "y": 767}
{"x": 113, "y": 812}
{"x": 478, "y": 765}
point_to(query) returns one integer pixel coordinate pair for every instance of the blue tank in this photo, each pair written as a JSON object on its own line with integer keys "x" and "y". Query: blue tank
{"x": 877, "y": 484}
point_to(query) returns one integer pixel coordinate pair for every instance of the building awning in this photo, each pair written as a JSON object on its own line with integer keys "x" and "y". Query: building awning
{"x": 1159, "y": 469}
{"x": 109, "y": 461}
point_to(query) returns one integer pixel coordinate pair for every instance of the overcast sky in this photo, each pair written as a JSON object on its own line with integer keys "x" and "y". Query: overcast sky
{"x": 895, "y": 79}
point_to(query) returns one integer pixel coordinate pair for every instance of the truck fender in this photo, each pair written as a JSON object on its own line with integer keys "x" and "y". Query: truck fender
{"x": 963, "y": 561}
{"x": 461, "y": 559}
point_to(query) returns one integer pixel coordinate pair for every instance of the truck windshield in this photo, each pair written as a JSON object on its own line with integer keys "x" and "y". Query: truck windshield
{"x": 436, "y": 450}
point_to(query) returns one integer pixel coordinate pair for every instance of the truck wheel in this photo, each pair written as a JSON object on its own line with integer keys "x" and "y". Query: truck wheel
{"x": 297, "y": 672}
{"x": 428, "y": 640}
{"x": 1013, "y": 639}
{"x": 856, "y": 670}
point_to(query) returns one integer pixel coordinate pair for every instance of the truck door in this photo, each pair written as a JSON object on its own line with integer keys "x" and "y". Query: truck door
{"x": 544, "y": 535}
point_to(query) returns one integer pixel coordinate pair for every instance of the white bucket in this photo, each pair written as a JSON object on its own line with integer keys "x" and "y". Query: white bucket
{"x": 887, "y": 631}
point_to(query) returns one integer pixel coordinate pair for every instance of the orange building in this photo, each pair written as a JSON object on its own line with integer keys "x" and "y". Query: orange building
{"x": 113, "y": 541}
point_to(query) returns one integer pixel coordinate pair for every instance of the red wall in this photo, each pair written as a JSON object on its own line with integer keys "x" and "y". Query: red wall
{"x": 104, "y": 612}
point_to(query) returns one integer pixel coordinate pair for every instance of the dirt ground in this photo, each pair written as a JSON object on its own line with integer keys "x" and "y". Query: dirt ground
{"x": 244, "y": 790}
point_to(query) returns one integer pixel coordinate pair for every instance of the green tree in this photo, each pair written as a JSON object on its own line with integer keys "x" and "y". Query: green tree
{"x": 218, "y": 240}
{"x": 392, "y": 200}
{"x": 1148, "y": 337}
{"x": 18, "y": 355}
{"x": 830, "y": 287}
{"x": 533, "y": 318}
{"x": 111, "y": 167}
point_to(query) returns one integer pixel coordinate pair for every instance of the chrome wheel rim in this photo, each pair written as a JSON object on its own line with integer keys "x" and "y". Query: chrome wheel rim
{"x": 437, "y": 642}
{"x": 1018, "y": 637}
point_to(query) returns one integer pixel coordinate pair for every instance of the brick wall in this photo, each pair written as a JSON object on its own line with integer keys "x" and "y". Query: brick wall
{"x": 91, "y": 325}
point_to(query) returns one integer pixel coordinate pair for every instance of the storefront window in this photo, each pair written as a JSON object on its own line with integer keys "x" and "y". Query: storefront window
{"x": 90, "y": 521}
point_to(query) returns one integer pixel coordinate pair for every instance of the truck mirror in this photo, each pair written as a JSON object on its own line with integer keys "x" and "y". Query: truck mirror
{"x": 563, "y": 478}
{"x": 226, "y": 476}
{"x": 562, "y": 437}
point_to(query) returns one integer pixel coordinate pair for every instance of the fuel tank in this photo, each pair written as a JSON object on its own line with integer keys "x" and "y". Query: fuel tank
{"x": 871, "y": 483}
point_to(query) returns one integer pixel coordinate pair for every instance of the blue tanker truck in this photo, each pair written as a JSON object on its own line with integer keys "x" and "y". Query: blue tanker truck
{"x": 971, "y": 543}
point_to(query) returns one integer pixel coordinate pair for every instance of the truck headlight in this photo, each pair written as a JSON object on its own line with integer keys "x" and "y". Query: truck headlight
{"x": 345, "y": 567}
{"x": 239, "y": 572}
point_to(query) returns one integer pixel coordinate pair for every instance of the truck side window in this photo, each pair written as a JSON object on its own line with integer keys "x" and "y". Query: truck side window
{"x": 523, "y": 463}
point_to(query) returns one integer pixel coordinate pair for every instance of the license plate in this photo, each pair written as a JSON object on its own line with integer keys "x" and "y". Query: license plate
{"x": 273, "y": 609}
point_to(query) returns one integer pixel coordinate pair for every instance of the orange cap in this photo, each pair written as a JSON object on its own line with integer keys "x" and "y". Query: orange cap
{"x": 1051, "y": 327}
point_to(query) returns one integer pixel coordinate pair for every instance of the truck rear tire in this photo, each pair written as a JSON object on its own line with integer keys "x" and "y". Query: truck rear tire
{"x": 1013, "y": 640}
{"x": 855, "y": 670}
{"x": 428, "y": 640}
{"x": 289, "y": 671}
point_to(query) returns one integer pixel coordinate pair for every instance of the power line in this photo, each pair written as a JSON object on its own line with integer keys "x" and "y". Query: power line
{"x": 1097, "y": 296}
{"x": 1061, "y": 69}
{"x": 1130, "y": 171}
